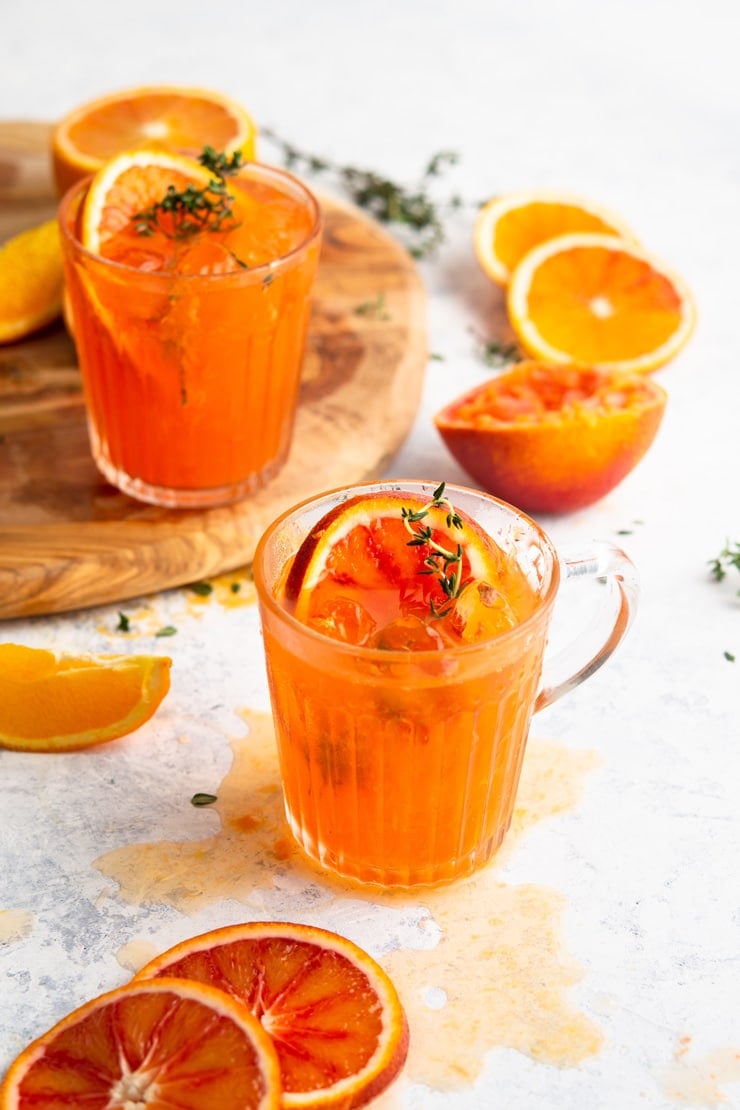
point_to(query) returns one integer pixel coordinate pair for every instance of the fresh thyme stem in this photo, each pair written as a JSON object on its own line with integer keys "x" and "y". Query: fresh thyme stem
{"x": 446, "y": 565}
{"x": 386, "y": 200}
{"x": 728, "y": 557}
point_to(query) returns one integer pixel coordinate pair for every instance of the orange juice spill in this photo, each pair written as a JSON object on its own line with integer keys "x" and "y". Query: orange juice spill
{"x": 400, "y": 761}
{"x": 191, "y": 348}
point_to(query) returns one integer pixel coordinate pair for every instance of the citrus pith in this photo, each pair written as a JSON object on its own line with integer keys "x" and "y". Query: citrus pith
{"x": 335, "y": 1017}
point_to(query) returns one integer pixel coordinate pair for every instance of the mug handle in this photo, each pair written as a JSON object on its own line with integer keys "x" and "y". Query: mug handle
{"x": 604, "y": 561}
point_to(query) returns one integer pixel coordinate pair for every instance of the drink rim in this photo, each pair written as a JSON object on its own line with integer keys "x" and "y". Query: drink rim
{"x": 545, "y": 602}
{"x": 254, "y": 274}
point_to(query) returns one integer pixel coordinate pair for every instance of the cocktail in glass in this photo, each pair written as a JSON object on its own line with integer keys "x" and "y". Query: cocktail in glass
{"x": 400, "y": 763}
{"x": 191, "y": 371}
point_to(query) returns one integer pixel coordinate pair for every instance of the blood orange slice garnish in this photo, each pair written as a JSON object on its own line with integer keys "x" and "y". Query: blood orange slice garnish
{"x": 395, "y": 571}
{"x": 334, "y": 1016}
{"x": 162, "y": 1044}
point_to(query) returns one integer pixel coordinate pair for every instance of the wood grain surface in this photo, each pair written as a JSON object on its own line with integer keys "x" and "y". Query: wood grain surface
{"x": 69, "y": 540}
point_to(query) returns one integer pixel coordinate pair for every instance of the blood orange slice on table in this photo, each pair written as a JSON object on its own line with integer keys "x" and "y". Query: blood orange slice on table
{"x": 160, "y": 117}
{"x": 552, "y": 438}
{"x": 599, "y": 301}
{"x": 162, "y": 1044}
{"x": 333, "y": 1014}
{"x": 57, "y": 703}
{"x": 394, "y": 571}
{"x": 512, "y": 224}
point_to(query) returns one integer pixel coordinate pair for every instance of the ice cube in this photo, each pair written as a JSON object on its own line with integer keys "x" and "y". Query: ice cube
{"x": 481, "y": 612}
{"x": 345, "y": 619}
{"x": 408, "y": 633}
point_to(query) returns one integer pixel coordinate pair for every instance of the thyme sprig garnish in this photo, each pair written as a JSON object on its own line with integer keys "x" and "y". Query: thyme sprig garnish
{"x": 185, "y": 212}
{"x": 446, "y": 565}
{"x": 728, "y": 558}
{"x": 389, "y": 202}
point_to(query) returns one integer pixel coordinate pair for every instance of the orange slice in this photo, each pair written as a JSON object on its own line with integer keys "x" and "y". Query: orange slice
{"x": 553, "y": 438}
{"x": 359, "y": 576}
{"x": 334, "y": 1016}
{"x": 510, "y": 225}
{"x": 598, "y": 301}
{"x": 129, "y": 184}
{"x": 31, "y": 281}
{"x": 162, "y": 1044}
{"x": 51, "y": 703}
{"x": 161, "y": 117}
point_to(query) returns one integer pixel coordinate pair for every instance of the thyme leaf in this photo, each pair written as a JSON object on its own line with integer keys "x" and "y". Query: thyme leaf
{"x": 202, "y": 589}
{"x": 444, "y": 564}
{"x": 727, "y": 559}
{"x": 203, "y": 799}
{"x": 375, "y": 309}
{"x": 497, "y": 353}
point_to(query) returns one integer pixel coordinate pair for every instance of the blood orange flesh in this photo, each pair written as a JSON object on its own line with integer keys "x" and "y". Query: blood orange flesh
{"x": 361, "y": 576}
{"x": 552, "y": 438}
{"x": 169, "y": 1043}
{"x": 333, "y": 1014}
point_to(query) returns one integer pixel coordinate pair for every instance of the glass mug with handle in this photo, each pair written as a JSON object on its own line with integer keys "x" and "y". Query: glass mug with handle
{"x": 400, "y": 767}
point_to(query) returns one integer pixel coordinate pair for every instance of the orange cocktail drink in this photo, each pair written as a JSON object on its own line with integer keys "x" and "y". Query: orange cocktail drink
{"x": 404, "y": 652}
{"x": 190, "y": 331}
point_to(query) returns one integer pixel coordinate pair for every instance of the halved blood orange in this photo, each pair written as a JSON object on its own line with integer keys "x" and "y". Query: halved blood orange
{"x": 161, "y": 1044}
{"x": 551, "y": 438}
{"x": 160, "y": 117}
{"x": 510, "y": 225}
{"x": 596, "y": 300}
{"x": 60, "y": 703}
{"x": 361, "y": 575}
{"x": 334, "y": 1016}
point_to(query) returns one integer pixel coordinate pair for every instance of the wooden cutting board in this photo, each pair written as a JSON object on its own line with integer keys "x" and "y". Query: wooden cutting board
{"x": 69, "y": 540}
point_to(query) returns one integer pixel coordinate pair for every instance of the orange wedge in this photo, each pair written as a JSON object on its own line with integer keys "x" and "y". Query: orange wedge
{"x": 162, "y": 117}
{"x": 598, "y": 301}
{"x": 360, "y": 575}
{"x": 51, "y": 703}
{"x": 332, "y": 1012}
{"x": 510, "y": 225}
{"x": 162, "y": 1044}
{"x": 31, "y": 281}
{"x": 553, "y": 438}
